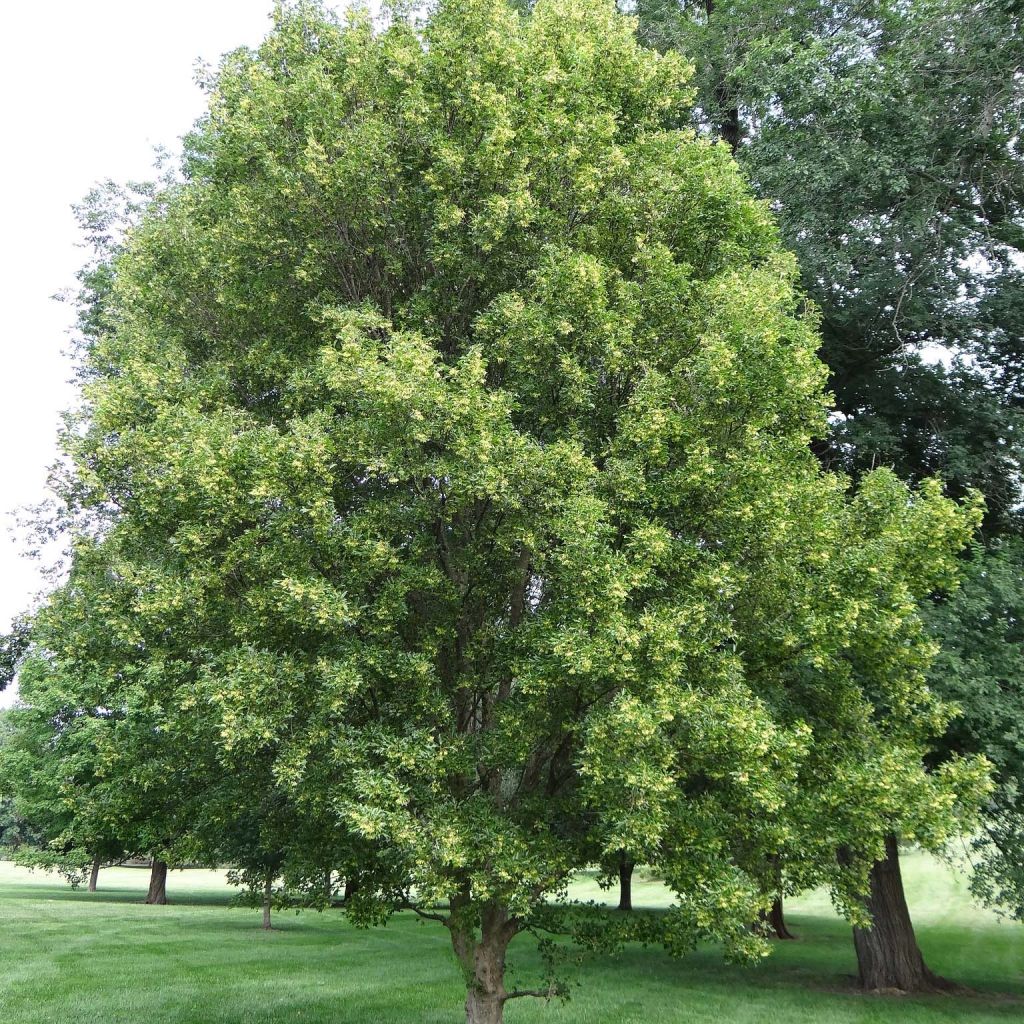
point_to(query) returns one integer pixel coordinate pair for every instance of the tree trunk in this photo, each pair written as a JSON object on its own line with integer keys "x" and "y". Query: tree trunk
{"x": 328, "y": 885}
{"x": 268, "y": 888}
{"x": 888, "y": 956}
{"x": 729, "y": 127}
{"x": 625, "y": 881}
{"x": 351, "y": 888}
{"x": 158, "y": 883}
{"x": 483, "y": 962}
{"x": 485, "y": 996}
{"x": 94, "y": 875}
{"x": 774, "y": 922}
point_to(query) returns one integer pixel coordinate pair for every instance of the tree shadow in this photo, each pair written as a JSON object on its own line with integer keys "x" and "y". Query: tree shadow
{"x": 64, "y": 893}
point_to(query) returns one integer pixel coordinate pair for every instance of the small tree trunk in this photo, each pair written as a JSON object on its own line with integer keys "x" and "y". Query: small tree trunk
{"x": 94, "y": 875}
{"x": 351, "y": 888}
{"x": 158, "y": 883}
{"x": 484, "y": 964}
{"x": 268, "y": 888}
{"x": 888, "y": 956}
{"x": 625, "y": 881}
{"x": 729, "y": 127}
{"x": 328, "y": 885}
{"x": 774, "y": 922}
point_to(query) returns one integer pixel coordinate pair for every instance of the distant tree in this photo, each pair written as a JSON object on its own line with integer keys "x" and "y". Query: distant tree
{"x": 887, "y": 136}
{"x": 981, "y": 666}
{"x": 15, "y": 831}
{"x": 281, "y": 850}
{"x": 91, "y": 758}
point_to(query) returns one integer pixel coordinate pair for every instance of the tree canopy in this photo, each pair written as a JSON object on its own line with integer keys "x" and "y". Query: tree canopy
{"x": 446, "y": 465}
{"x": 887, "y": 136}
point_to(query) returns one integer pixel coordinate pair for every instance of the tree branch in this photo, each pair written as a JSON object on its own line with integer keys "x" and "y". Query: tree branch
{"x": 426, "y": 914}
{"x": 540, "y": 993}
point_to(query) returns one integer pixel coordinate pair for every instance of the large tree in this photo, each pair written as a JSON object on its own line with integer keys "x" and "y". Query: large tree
{"x": 887, "y": 137}
{"x": 439, "y": 416}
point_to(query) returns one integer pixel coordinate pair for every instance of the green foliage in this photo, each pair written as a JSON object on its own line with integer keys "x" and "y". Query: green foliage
{"x": 887, "y": 136}
{"x": 15, "y": 831}
{"x": 981, "y": 667}
{"x": 445, "y": 479}
{"x": 12, "y": 649}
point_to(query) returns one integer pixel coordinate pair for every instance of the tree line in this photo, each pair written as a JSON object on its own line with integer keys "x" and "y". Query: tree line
{"x": 470, "y": 485}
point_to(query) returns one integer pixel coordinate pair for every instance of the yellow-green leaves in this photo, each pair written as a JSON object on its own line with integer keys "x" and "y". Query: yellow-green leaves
{"x": 453, "y": 435}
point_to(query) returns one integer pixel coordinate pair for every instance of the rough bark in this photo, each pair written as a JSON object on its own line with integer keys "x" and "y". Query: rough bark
{"x": 157, "y": 894}
{"x": 94, "y": 875}
{"x": 485, "y": 998}
{"x": 268, "y": 888}
{"x": 888, "y": 957}
{"x": 625, "y": 881}
{"x": 483, "y": 962}
{"x": 774, "y": 922}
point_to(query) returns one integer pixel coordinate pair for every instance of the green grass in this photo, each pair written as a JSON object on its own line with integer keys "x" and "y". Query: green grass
{"x": 107, "y": 959}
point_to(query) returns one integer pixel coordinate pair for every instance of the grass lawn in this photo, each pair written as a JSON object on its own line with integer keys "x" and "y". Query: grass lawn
{"x": 74, "y": 958}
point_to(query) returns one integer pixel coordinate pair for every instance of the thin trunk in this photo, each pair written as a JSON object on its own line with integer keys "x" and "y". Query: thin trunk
{"x": 774, "y": 922}
{"x": 328, "y": 885}
{"x": 94, "y": 875}
{"x": 158, "y": 883}
{"x": 351, "y": 888}
{"x": 625, "y": 881}
{"x": 268, "y": 888}
{"x": 888, "y": 956}
{"x": 729, "y": 127}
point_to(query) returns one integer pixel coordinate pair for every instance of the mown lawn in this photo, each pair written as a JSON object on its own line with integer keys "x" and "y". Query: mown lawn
{"x": 74, "y": 958}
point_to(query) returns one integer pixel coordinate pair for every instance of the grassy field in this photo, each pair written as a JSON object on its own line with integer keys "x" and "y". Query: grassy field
{"x": 74, "y": 958}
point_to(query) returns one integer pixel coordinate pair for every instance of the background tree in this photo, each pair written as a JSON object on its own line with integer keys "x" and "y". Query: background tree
{"x": 887, "y": 137}
{"x": 981, "y": 666}
{"x": 15, "y": 831}
{"x": 283, "y": 849}
{"x": 92, "y": 759}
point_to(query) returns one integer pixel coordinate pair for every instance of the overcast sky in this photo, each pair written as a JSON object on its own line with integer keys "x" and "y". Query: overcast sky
{"x": 89, "y": 89}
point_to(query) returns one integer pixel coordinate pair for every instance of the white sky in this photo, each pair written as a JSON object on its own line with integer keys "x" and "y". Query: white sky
{"x": 89, "y": 89}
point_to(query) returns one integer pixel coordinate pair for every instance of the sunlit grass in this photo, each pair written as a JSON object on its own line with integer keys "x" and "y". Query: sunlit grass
{"x": 107, "y": 959}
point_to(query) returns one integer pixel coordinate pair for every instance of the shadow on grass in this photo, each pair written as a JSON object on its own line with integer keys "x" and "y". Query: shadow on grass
{"x": 795, "y": 987}
{"x": 112, "y": 895}
{"x": 319, "y": 969}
